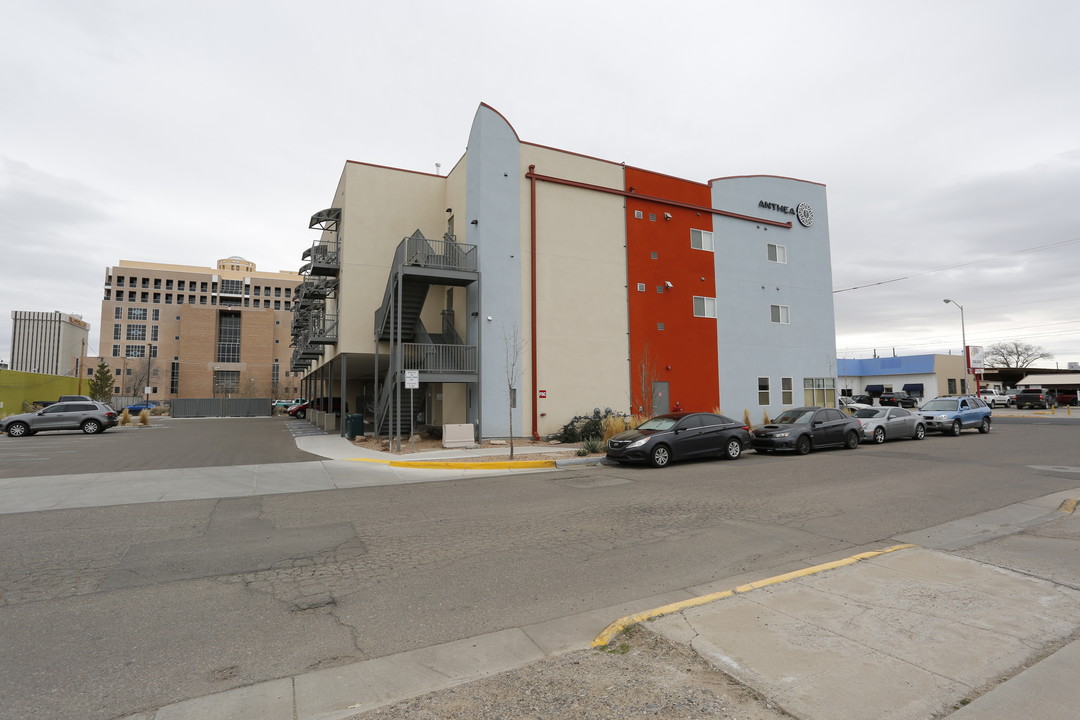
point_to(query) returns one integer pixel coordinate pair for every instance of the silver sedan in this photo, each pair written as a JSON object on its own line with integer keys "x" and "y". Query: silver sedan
{"x": 883, "y": 423}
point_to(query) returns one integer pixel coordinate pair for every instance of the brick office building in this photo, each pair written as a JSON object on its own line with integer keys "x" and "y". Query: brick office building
{"x": 189, "y": 332}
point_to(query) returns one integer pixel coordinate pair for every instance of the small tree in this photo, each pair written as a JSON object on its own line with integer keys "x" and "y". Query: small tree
{"x": 101, "y": 385}
{"x": 514, "y": 348}
{"x": 1014, "y": 354}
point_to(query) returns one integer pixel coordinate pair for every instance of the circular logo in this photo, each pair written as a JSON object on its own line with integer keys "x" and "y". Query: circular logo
{"x": 805, "y": 213}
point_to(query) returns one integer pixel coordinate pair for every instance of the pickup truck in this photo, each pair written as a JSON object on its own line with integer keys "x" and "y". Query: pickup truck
{"x": 289, "y": 403}
{"x": 994, "y": 399}
{"x": 1036, "y": 397}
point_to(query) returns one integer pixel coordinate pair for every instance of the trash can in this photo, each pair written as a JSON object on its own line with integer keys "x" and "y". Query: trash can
{"x": 354, "y": 425}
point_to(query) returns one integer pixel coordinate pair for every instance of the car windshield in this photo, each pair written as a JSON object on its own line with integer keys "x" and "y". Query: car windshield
{"x": 657, "y": 423}
{"x": 940, "y": 404}
{"x": 798, "y": 416}
{"x": 871, "y": 413}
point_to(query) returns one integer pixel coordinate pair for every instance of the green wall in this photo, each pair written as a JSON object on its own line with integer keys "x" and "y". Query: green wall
{"x": 19, "y": 388}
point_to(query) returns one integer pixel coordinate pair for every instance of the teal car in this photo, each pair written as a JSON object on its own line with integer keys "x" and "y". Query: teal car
{"x": 952, "y": 414}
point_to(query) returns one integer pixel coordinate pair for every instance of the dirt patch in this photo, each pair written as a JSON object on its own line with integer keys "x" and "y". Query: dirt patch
{"x": 643, "y": 675}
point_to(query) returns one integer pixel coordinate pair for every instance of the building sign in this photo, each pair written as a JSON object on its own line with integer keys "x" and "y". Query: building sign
{"x": 542, "y": 393}
{"x": 975, "y": 357}
{"x": 802, "y": 211}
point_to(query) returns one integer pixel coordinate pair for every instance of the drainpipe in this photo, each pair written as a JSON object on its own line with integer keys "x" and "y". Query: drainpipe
{"x": 532, "y": 297}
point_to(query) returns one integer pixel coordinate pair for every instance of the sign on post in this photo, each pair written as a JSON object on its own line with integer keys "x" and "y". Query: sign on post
{"x": 412, "y": 379}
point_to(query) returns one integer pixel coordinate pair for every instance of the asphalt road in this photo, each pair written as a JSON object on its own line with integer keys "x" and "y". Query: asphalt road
{"x": 166, "y": 443}
{"x": 108, "y": 611}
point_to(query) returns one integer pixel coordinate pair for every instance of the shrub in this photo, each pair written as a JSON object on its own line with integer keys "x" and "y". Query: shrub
{"x": 144, "y": 417}
{"x": 125, "y": 417}
{"x": 592, "y": 445}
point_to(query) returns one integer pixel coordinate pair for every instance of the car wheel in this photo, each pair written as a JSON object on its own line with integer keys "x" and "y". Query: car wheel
{"x": 301, "y": 414}
{"x": 660, "y": 456}
{"x": 18, "y": 429}
{"x": 91, "y": 426}
{"x": 851, "y": 440}
{"x": 984, "y": 426}
{"x": 879, "y": 435}
{"x": 802, "y": 445}
{"x": 954, "y": 429}
{"x": 733, "y": 449}
{"x": 920, "y": 432}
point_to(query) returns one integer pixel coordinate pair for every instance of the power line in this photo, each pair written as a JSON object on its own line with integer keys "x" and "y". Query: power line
{"x": 959, "y": 265}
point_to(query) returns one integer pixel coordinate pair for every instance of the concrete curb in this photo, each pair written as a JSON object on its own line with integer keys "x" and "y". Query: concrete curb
{"x": 609, "y": 633}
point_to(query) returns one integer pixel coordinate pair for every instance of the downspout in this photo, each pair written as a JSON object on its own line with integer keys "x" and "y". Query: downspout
{"x": 532, "y": 299}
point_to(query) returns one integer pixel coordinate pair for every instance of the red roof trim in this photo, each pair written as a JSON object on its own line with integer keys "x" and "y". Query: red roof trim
{"x": 518, "y": 137}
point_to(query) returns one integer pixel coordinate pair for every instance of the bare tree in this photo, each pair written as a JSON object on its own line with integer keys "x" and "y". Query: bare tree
{"x": 514, "y": 347}
{"x": 1014, "y": 354}
{"x": 646, "y": 376}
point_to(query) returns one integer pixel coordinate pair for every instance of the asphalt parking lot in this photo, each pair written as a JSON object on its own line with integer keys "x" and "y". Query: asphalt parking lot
{"x": 166, "y": 443}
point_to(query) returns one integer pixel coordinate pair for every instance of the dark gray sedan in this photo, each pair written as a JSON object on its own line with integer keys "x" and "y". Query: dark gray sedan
{"x": 808, "y": 428}
{"x": 679, "y": 436}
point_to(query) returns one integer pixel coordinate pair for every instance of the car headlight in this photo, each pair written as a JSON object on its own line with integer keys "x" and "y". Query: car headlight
{"x": 781, "y": 434}
{"x": 637, "y": 443}
{"x": 941, "y": 417}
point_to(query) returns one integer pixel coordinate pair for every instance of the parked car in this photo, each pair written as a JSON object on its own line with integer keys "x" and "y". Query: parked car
{"x": 289, "y": 403}
{"x": 994, "y": 399}
{"x": 299, "y": 411}
{"x": 1011, "y": 394}
{"x": 75, "y": 398}
{"x": 897, "y": 399}
{"x": 1036, "y": 397}
{"x": 90, "y": 417}
{"x": 679, "y": 436}
{"x": 881, "y": 424}
{"x": 851, "y": 404}
{"x": 139, "y": 407}
{"x": 951, "y": 414}
{"x": 324, "y": 404}
{"x": 863, "y": 399}
{"x": 804, "y": 429}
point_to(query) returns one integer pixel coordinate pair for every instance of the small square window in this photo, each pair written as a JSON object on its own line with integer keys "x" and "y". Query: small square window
{"x": 778, "y": 253}
{"x": 638, "y": 214}
{"x": 763, "y": 390}
{"x": 780, "y": 314}
{"x": 641, "y": 287}
{"x": 701, "y": 240}
{"x": 652, "y": 217}
{"x": 704, "y": 307}
{"x": 659, "y": 326}
{"x": 653, "y": 255}
{"x": 660, "y": 288}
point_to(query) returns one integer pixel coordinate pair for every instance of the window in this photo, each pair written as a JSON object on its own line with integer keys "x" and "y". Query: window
{"x": 116, "y": 352}
{"x": 135, "y": 351}
{"x": 277, "y": 292}
{"x": 202, "y": 299}
{"x": 181, "y": 285}
{"x": 136, "y": 313}
{"x": 288, "y": 292}
{"x": 819, "y": 391}
{"x": 119, "y": 281}
{"x": 174, "y": 379}
{"x": 228, "y": 348}
{"x": 226, "y": 381}
{"x": 704, "y": 307}
{"x": 168, "y": 298}
{"x": 780, "y": 314}
{"x": 153, "y": 333}
{"x": 144, "y": 297}
{"x": 952, "y": 386}
{"x": 288, "y": 305}
{"x": 641, "y": 287}
{"x": 277, "y": 304}
{"x": 157, "y": 297}
{"x": 168, "y": 284}
{"x": 179, "y": 299}
{"x": 255, "y": 290}
{"x": 660, "y": 289}
{"x": 157, "y": 283}
{"x": 118, "y": 372}
{"x": 116, "y": 331}
{"x": 652, "y": 217}
{"x": 659, "y": 326}
{"x": 654, "y": 255}
{"x": 777, "y": 253}
{"x": 202, "y": 287}
{"x": 146, "y": 282}
{"x": 701, "y": 240}
{"x": 153, "y": 354}
{"x": 638, "y": 214}
{"x": 232, "y": 287}
{"x": 118, "y": 313}
{"x": 155, "y": 315}
{"x": 136, "y": 332}
{"x": 763, "y": 391}
{"x": 787, "y": 393}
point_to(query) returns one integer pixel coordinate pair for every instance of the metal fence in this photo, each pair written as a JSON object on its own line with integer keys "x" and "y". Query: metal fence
{"x": 221, "y": 407}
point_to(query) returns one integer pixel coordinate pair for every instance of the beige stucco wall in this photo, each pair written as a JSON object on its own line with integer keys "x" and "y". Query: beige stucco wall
{"x": 582, "y": 324}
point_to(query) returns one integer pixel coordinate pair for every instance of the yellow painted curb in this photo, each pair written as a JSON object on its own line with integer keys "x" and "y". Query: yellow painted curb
{"x": 438, "y": 465}
{"x": 621, "y": 624}
{"x": 1068, "y": 506}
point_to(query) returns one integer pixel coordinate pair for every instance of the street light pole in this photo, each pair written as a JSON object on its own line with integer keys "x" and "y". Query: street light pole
{"x": 963, "y": 338}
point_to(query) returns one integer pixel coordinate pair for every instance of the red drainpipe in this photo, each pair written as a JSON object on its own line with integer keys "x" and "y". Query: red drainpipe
{"x": 532, "y": 296}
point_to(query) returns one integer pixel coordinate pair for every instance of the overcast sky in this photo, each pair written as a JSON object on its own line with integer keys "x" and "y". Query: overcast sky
{"x": 948, "y": 134}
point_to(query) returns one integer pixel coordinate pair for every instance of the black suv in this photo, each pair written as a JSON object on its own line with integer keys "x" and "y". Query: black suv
{"x": 897, "y": 399}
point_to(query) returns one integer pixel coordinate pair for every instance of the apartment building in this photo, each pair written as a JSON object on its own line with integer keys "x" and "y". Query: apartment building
{"x": 195, "y": 332}
{"x": 532, "y": 284}
{"x": 47, "y": 342}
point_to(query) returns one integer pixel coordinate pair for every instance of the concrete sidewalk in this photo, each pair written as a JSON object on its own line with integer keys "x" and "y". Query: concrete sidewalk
{"x": 979, "y": 622}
